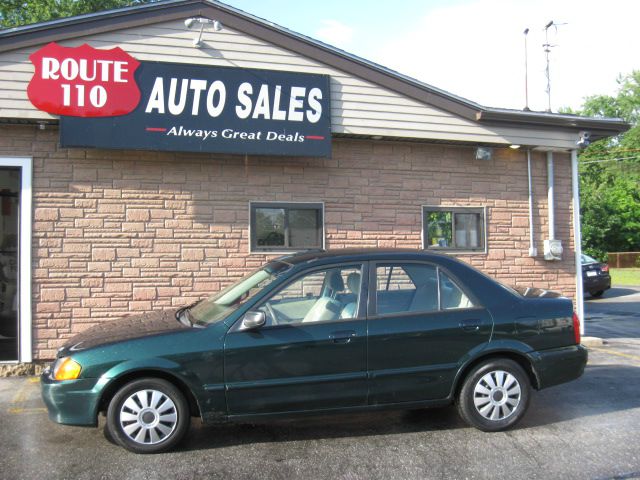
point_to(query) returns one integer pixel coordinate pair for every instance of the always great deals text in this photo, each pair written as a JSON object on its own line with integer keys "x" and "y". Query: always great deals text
{"x": 230, "y": 134}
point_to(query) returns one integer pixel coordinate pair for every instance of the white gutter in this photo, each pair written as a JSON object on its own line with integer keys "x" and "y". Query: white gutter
{"x": 533, "y": 251}
{"x": 577, "y": 238}
{"x": 551, "y": 207}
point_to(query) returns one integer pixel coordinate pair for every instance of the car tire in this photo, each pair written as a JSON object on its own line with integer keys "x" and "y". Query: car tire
{"x": 495, "y": 395}
{"x": 149, "y": 415}
{"x": 597, "y": 293}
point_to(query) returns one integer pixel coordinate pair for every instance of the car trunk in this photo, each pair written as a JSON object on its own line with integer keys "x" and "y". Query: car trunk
{"x": 545, "y": 320}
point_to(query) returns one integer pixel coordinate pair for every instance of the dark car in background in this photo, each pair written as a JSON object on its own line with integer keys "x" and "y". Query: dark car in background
{"x": 595, "y": 276}
{"x": 321, "y": 332}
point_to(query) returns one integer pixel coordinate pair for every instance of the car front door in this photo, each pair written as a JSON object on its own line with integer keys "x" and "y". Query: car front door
{"x": 422, "y": 326}
{"x": 310, "y": 355}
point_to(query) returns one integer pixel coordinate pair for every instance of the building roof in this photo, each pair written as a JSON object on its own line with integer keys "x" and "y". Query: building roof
{"x": 162, "y": 11}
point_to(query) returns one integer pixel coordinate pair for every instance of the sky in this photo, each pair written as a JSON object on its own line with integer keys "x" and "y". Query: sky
{"x": 475, "y": 48}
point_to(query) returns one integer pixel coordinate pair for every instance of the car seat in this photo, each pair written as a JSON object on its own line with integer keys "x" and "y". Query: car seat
{"x": 353, "y": 284}
{"x": 327, "y": 307}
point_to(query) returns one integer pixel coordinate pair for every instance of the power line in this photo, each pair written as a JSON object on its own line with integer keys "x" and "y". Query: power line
{"x": 619, "y": 159}
{"x": 617, "y": 150}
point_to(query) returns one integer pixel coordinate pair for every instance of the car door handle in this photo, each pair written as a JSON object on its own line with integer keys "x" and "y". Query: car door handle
{"x": 471, "y": 325}
{"x": 343, "y": 336}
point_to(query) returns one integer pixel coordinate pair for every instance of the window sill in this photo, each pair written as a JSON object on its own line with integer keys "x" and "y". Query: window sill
{"x": 456, "y": 252}
{"x": 282, "y": 252}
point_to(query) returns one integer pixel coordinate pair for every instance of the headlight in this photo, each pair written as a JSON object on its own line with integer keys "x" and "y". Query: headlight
{"x": 66, "y": 369}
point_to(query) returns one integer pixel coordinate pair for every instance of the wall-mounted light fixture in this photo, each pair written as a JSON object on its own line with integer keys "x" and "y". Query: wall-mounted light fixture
{"x": 514, "y": 147}
{"x": 484, "y": 153}
{"x": 190, "y": 22}
{"x": 585, "y": 140}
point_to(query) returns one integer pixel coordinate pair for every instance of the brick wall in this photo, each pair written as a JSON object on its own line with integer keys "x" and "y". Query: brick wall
{"x": 117, "y": 232}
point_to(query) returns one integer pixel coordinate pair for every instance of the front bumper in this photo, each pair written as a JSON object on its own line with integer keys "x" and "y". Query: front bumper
{"x": 559, "y": 365}
{"x": 71, "y": 402}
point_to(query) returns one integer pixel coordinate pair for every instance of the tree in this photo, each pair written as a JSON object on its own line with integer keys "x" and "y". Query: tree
{"x": 14, "y": 13}
{"x": 610, "y": 175}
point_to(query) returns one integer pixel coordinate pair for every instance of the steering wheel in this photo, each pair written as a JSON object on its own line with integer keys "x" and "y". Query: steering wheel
{"x": 271, "y": 313}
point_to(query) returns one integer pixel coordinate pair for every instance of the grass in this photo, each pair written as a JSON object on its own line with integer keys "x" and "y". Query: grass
{"x": 625, "y": 276}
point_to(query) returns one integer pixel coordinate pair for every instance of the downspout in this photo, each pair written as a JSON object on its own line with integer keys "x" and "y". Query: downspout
{"x": 577, "y": 238}
{"x": 551, "y": 207}
{"x": 533, "y": 251}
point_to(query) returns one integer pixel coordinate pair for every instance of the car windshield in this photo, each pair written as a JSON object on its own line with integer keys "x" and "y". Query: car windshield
{"x": 219, "y": 306}
{"x": 588, "y": 259}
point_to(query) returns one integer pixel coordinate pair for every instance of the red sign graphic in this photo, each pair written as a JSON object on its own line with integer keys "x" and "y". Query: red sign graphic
{"x": 83, "y": 81}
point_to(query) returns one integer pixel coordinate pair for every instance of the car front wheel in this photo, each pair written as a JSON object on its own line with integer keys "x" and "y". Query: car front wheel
{"x": 494, "y": 395}
{"x": 149, "y": 415}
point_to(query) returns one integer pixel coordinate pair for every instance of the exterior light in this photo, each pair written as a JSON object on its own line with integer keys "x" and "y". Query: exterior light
{"x": 514, "y": 147}
{"x": 66, "y": 369}
{"x": 484, "y": 153}
{"x": 190, "y": 22}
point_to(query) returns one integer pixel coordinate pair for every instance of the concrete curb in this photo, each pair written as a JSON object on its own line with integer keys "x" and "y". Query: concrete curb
{"x": 592, "y": 342}
{"x": 20, "y": 369}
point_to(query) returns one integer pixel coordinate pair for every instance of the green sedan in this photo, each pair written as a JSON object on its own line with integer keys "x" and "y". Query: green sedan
{"x": 321, "y": 332}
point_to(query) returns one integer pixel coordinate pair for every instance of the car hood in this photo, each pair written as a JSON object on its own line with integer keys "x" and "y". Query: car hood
{"x": 127, "y": 328}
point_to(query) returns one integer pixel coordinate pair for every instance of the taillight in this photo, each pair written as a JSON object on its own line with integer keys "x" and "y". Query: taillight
{"x": 604, "y": 268}
{"x": 576, "y": 328}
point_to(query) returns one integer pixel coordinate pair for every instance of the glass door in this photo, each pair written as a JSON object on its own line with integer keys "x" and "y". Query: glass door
{"x": 9, "y": 241}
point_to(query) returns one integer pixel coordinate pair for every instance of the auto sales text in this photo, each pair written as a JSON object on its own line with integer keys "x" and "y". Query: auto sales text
{"x": 268, "y": 102}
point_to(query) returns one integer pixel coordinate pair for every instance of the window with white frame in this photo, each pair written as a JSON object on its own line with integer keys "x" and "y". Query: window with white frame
{"x": 454, "y": 228}
{"x": 279, "y": 226}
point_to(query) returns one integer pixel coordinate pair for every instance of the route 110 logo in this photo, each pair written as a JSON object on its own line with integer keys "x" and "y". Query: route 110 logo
{"x": 83, "y": 81}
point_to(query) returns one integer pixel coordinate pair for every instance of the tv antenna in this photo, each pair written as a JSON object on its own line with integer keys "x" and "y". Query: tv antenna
{"x": 547, "y": 50}
{"x": 526, "y": 73}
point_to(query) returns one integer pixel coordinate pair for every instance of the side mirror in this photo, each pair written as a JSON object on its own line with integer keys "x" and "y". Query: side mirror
{"x": 253, "y": 320}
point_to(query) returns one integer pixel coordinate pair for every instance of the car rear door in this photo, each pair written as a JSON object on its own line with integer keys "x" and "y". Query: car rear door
{"x": 312, "y": 358}
{"x": 422, "y": 326}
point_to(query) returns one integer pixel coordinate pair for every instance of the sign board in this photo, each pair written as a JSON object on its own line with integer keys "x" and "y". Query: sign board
{"x": 180, "y": 107}
{"x": 83, "y": 81}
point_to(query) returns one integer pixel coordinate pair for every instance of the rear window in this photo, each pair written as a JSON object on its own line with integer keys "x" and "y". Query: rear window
{"x": 411, "y": 287}
{"x": 588, "y": 259}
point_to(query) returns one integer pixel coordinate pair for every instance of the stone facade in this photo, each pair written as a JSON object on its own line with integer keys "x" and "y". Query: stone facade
{"x": 119, "y": 232}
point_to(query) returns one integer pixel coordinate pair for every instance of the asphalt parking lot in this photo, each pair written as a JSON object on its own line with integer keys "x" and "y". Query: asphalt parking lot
{"x": 589, "y": 428}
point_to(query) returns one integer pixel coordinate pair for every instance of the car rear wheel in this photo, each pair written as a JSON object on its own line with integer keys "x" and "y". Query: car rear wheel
{"x": 494, "y": 395}
{"x": 149, "y": 415}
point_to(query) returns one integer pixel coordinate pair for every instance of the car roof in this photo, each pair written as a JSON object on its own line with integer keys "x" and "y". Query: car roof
{"x": 348, "y": 254}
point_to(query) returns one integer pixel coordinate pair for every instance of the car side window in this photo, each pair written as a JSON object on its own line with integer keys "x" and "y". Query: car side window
{"x": 451, "y": 296}
{"x": 405, "y": 288}
{"x": 323, "y": 295}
